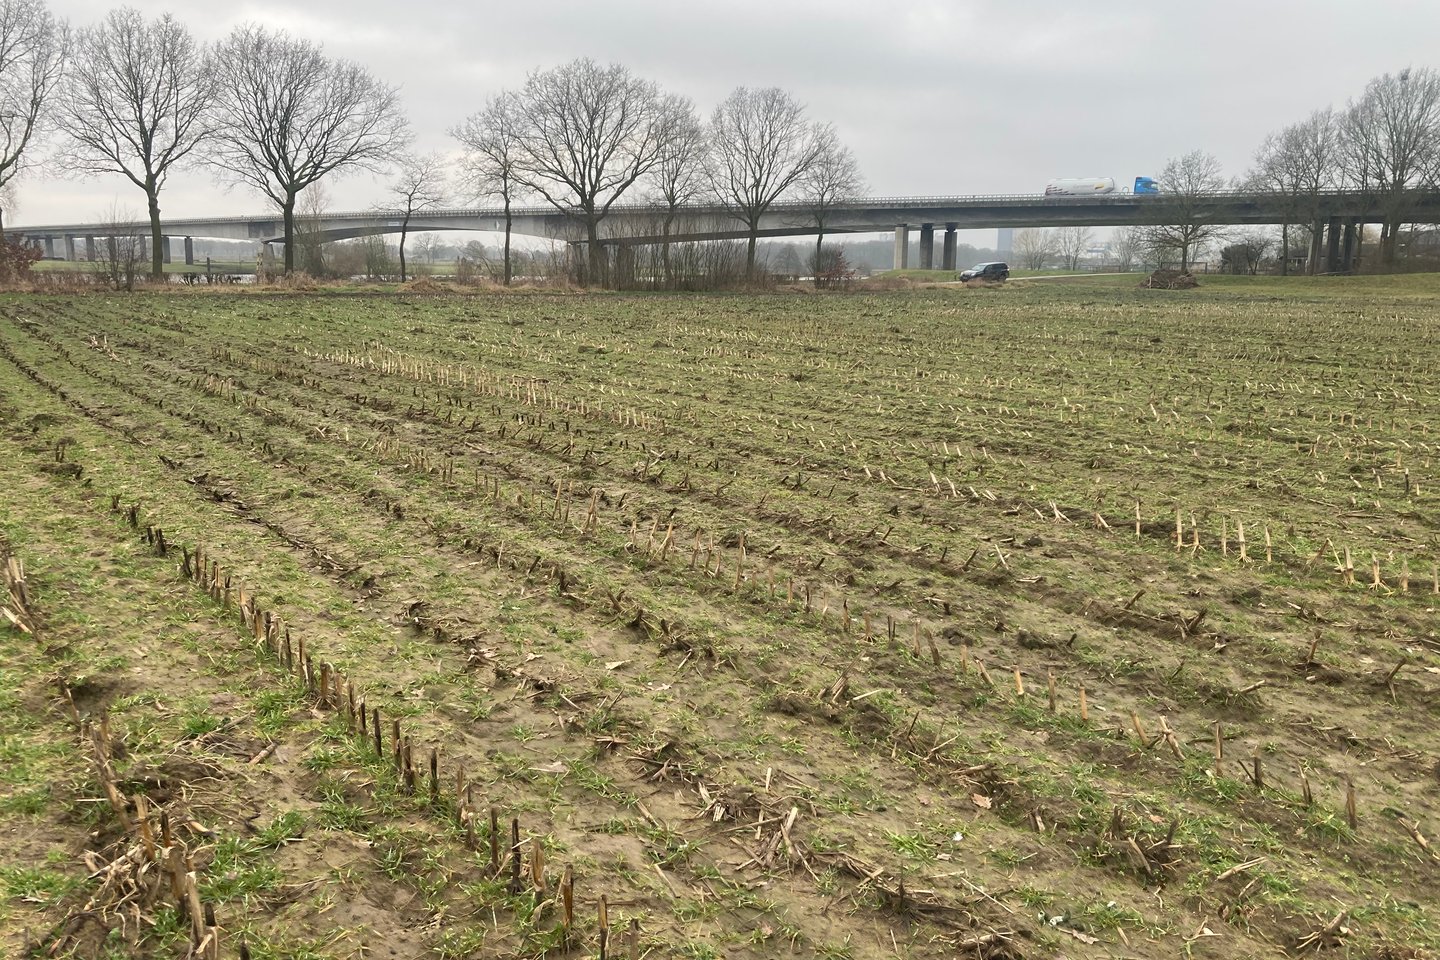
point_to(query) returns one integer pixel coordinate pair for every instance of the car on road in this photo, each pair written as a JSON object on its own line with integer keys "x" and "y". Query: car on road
{"x": 997, "y": 270}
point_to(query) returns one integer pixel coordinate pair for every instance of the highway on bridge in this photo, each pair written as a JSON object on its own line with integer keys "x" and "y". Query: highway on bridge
{"x": 1336, "y": 214}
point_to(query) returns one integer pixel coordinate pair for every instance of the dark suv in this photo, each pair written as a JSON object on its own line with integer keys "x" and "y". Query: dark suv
{"x": 987, "y": 271}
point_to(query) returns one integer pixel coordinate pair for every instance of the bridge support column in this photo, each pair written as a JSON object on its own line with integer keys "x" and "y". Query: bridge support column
{"x": 189, "y": 251}
{"x": 902, "y": 247}
{"x": 164, "y": 249}
{"x": 91, "y": 253}
{"x": 1317, "y": 244}
{"x": 622, "y": 276}
{"x": 113, "y": 245}
{"x": 573, "y": 259}
{"x": 1347, "y": 252}
{"x": 1332, "y": 245}
{"x": 927, "y": 246}
{"x": 947, "y": 252}
{"x": 69, "y": 247}
{"x": 50, "y": 248}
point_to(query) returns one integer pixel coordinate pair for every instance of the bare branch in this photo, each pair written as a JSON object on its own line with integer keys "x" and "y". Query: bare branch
{"x": 292, "y": 116}
{"x": 1390, "y": 140}
{"x": 1188, "y": 183}
{"x": 762, "y": 146}
{"x": 491, "y": 167}
{"x": 419, "y": 187}
{"x": 33, "y": 49}
{"x": 136, "y": 103}
{"x": 1035, "y": 247}
{"x": 586, "y": 134}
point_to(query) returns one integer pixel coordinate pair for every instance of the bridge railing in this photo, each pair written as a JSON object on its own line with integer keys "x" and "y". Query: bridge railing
{"x": 882, "y": 203}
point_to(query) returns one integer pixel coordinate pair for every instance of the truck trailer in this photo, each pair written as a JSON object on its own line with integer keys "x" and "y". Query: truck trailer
{"x": 1096, "y": 186}
{"x": 1080, "y": 187}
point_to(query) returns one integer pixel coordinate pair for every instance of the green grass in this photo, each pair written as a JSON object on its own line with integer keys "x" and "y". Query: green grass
{"x": 828, "y": 430}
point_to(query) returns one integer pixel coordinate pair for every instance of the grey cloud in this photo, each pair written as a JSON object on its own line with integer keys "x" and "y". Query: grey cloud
{"x": 933, "y": 97}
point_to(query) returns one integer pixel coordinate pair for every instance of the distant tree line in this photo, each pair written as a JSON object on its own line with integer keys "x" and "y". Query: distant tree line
{"x": 582, "y": 136}
{"x": 141, "y": 98}
{"x": 1384, "y": 143}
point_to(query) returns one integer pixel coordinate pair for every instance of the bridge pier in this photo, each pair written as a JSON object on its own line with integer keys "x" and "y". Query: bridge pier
{"x": 902, "y": 247}
{"x": 164, "y": 249}
{"x": 574, "y": 257}
{"x": 50, "y": 248}
{"x": 927, "y": 246}
{"x": 91, "y": 253}
{"x": 947, "y": 252}
{"x": 69, "y": 247}
{"x": 1332, "y": 245}
{"x": 1347, "y": 244}
{"x": 623, "y": 274}
{"x": 189, "y": 251}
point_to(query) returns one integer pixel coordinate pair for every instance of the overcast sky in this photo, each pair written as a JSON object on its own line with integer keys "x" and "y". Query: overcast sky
{"x": 933, "y": 97}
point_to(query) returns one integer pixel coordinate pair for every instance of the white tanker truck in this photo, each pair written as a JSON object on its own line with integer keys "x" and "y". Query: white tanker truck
{"x": 1096, "y": 186}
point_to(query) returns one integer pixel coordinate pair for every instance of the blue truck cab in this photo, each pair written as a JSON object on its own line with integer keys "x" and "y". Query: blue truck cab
{"x": 1146, "y": 185}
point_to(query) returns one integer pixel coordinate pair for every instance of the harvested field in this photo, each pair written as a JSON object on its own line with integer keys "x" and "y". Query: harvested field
{"x": 1054, "y": 620}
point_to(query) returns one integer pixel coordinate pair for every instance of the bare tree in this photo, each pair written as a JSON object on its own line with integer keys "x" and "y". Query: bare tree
{"x": 1245, "y": 254}
{"x": 123, "y": 249}
{"x": 1071, "y": 243}
{"x": 291, "y": 116}
{"x": 1391, "y": 142}
{"x": 833, "y": 178}
{"x": 33, "y": 47}
{"x": 1187, "y": 203}
{"x": 428, "y": 246}
{"x": 1035, "y": 247}
{"x": 492, "y": 166}
{"x": 309, "y": 235}
{"x": 135, "y": 103}
{"x": 420, "y": 187}
{"x": 679, "y": 175}
{"x": 1126, "y": 248}
{"x": 762, "y": 145}
{"x": 1297, "y": 165}
{"x": 586, "y": 134}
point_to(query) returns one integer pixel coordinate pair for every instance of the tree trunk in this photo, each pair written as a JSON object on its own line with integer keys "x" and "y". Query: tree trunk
{"x": 665, "y": 249}
{"x": 1184, "y": 258}
{"x": 509, "y": 272}
{"x": 819, "y": 252}
{"x": 404, "y": 229}
{"x": 1284, "y": 248}
{"x": 287, "y": 210}
{"x": 750, "y": 255}
{"x": 157, "y": 260}
{"x": 594, "y": 256}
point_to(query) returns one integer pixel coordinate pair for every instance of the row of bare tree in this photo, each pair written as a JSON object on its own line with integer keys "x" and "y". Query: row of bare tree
{"x": 139, "y": 98}
{"x": 583, "y": 135}
{"x": 1385, "y": 143}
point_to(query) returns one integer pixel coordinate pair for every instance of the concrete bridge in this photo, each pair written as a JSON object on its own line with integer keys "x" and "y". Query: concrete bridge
{"x": 1340, "y": 215}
